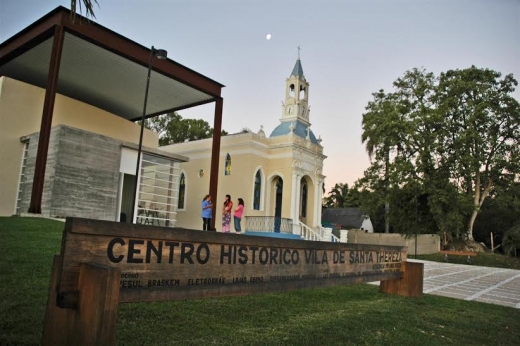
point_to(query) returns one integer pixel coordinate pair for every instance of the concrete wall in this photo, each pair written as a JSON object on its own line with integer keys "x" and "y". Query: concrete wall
{"x": 21, "y": 107}
{"x": 86, "y": 175}
{"x": 81, "y": 177}
{"x": 426, "y": 243}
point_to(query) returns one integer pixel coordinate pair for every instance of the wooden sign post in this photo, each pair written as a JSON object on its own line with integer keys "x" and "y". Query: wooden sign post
{"x": 103, "y": 263}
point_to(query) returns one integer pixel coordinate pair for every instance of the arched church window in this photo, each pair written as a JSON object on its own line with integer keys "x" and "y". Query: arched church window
{"x": 304, "y": 199}
{"x": 257, "y": 190}
{"x": 227, "y": 169}
{"x": 291, "y": 90}
{"x": 182, "y": 192}
{"x": 302, "y": 92}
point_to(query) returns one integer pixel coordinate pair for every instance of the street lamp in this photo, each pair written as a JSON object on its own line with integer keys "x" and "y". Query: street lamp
{"x": 160, "y": 54}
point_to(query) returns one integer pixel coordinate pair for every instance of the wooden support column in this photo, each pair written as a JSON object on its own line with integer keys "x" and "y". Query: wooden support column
{"x": 45, "y": 127}
{"x": 215, "y": 157}
{"x": 98, "y": 300}
{"x": 57, "y": 321}
{"x": 93, "y": 321}
{"x": 410, "y": 285}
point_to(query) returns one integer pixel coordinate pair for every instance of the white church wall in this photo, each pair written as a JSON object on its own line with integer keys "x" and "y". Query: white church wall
{"x": 246, "y": 157}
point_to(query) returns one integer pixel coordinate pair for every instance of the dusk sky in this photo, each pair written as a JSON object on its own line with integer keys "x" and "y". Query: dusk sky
{"x": 349, "y": 49}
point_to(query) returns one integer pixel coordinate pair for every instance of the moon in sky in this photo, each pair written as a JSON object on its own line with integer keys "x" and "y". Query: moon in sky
{"x": 268, "y": 37}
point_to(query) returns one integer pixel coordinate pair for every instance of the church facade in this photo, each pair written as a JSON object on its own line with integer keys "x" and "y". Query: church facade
{"x": 277, "y": 176}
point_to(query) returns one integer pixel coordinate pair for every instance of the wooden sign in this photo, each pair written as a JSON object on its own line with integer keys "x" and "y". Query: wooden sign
{"x": 103, "y": 263}
{"x": 169, "y": 264}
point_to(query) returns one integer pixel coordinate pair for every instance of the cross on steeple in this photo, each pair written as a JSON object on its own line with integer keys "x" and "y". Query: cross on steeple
{"x": 299, "y": 49}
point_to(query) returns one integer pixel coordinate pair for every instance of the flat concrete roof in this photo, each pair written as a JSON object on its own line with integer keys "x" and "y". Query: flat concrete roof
{"x": 103, "y": 68}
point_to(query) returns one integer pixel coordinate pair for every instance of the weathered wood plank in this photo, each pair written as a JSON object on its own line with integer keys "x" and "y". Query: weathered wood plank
{"x": 138, "y": 231}
{"x": 164, "y": 264}
{"x": 187, "y": 292}
{"x": 409, "y": 285}
{"x": 458, "y": 253}
{"x": 96, "y": 314}
{"x": 57, "y": 321}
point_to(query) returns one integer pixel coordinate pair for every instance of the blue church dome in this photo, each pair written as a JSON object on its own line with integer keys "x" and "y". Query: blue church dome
{"x": 299, "y": 130}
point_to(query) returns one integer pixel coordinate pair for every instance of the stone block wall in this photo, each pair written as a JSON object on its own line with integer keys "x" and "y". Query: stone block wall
{"x": 81, "y": 177}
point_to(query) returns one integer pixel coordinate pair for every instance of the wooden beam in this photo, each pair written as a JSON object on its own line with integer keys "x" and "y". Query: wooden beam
{"x": 30, "y": 37}
{"x": 57, "y": 320}
{"x": 98, "y": 301}
{"x": 409, "y": 285}
{"x": 93, "y": 320}
{"x": 46, "y": 124}
{"x": 215, "y": 157}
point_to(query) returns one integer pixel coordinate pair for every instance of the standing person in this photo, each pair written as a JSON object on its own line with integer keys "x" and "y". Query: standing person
{"x": 237, "y": 217}
{"x": 206, "y": 213}
{"x": 226, "y": 214}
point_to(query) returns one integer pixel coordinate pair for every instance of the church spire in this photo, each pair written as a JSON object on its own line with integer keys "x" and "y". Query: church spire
{"x": 298, "y": 70}
{"x": 296, "y": 105}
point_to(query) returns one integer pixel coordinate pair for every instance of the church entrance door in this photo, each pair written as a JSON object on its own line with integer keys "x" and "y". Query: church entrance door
{"x": 278, "y": 205}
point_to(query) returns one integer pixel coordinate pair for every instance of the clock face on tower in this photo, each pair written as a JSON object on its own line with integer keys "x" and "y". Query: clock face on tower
{"x": 288, "y": 109}
{"x": 302, "y": 112}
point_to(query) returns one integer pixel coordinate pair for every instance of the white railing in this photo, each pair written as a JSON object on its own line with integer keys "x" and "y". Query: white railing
{"x": 308, "y": 233}
{"x": 334, "y": 239}
{"x": 322, "y": 234}
{"x": 326, "y": 235}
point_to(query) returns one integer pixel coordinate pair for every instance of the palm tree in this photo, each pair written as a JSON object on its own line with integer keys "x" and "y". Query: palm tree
{"x": 88, "y": 4}
{"x": 377, "y": 135}
{"x": 338, "y": 196}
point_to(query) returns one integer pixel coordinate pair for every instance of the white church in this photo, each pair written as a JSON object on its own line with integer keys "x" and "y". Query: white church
{"x": 279, "y": 176}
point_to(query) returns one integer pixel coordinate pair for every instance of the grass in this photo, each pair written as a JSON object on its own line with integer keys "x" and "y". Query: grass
{"x": 349, "y": 315}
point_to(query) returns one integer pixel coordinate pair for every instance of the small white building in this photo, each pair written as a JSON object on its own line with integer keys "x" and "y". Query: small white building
{"x": 348, "y": 218}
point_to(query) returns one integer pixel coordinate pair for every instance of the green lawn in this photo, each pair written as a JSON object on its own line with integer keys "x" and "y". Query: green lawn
{"x": 350, "y": 315}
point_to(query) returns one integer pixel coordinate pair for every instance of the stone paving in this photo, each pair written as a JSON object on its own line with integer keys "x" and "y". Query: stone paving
{"x": 469, "y": 282}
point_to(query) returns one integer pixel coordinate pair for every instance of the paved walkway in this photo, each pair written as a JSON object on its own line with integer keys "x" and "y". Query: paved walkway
{"x": 469, "y": 282}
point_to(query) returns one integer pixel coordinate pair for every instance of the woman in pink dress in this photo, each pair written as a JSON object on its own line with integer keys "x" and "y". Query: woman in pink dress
{"x": 226, "y": 214}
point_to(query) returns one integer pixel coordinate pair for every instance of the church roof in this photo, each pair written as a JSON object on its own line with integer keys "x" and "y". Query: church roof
{"x": 299, "y": 130}
{"x": 298, "y": 70}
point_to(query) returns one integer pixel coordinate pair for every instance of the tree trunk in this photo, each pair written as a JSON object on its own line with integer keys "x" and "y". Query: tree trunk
{"x": 387, "y": 214}
{"x": 469, "y": 234}
{"x": 387, "y": 203}
{"x": 477, "y": 204}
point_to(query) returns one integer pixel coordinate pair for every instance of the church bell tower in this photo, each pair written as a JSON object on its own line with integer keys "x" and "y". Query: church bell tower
{"x": 296, "y": 105}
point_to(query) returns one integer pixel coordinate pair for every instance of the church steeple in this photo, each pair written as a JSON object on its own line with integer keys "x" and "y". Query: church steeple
{"x": 298, "y": 70}
{"x": 296, "y": 105}
{"x": 295, "y": 108}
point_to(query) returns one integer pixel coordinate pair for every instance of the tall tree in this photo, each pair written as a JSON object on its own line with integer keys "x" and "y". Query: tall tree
{"x": 172, "y": 128}
{"x": 482, "y": 124}
{"x": 379, "y": 138}
{"x": 455, "y": 136}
